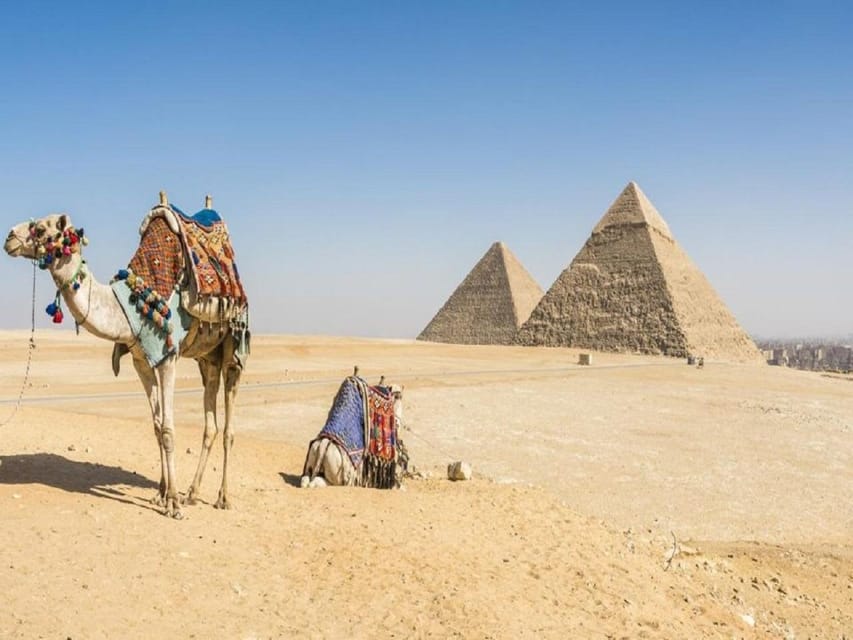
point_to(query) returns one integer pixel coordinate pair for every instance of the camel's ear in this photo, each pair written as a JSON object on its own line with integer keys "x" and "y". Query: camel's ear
{"x": 63, "y": 222}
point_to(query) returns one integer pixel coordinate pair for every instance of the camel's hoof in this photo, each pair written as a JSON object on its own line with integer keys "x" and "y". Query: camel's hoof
{"x": 159, "y": 500}
{"x": 222, "y": 503}
{"x": 190, "y": 498}
{"x": 173, "y": 509}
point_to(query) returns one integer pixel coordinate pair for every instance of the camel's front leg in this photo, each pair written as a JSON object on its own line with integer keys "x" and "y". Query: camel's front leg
{"x": 210, "y": 372}
{"x": 232, "y": 371}
{"x": 152, "y": 392}
{"x": 166, "y": 377}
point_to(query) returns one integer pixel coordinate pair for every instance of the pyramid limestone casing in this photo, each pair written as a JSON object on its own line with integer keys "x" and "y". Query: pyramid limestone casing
{"x": 492, "y": 302}
{"x": 631, "y": 288}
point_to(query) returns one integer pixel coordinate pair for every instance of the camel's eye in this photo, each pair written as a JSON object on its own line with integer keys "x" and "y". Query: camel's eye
{"x": 40, "y": 231}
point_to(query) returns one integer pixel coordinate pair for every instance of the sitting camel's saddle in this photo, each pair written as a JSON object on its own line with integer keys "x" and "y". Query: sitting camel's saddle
{"x": 188, "y": 261}
{"x": 363, "y": 423}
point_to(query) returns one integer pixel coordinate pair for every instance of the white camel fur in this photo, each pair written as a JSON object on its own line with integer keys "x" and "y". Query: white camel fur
{"x": 327, "y": 464}
{"x": 95, "y": 308}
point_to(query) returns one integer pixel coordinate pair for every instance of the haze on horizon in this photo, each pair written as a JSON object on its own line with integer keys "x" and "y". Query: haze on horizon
{"x": 366, "y": 155}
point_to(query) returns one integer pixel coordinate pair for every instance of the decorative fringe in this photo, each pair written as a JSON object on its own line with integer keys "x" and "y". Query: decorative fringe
{"x": 378, "y": 473}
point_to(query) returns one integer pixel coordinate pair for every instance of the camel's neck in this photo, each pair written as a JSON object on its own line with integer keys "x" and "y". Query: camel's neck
{"x": 93, "y": 305}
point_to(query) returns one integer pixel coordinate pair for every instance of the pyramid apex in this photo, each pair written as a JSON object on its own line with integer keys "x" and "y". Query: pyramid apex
{"x": 633, "y": 187}
{"x": 630, "y": 208}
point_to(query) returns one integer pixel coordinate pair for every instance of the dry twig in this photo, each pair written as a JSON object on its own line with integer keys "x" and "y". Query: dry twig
{"x": 672, "y": 552}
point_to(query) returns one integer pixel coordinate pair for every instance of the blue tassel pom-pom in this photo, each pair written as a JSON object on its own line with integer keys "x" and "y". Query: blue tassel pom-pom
{"x": 122, "y": 274}
{"x": 76, "y": 286}
{"x": 50, "y": 309}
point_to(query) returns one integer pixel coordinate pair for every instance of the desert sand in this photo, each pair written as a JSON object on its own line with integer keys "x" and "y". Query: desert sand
{"x": 635, "y": 498}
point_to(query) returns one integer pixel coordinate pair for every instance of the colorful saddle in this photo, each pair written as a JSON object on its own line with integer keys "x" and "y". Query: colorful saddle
{"x": 184, "y": 264}
{"x": 195, "y": 251}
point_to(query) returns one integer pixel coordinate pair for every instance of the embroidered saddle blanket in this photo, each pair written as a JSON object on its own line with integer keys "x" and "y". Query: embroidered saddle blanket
{"x": 172, "y": 241}
{"x": 362, "y": 422}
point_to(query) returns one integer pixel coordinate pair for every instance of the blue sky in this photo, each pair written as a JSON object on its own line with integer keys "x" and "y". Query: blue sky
{"x": 366, "y": 154}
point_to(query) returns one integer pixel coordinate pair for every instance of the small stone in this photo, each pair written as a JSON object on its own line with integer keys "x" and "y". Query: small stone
{"x": 88, "y": 449}
{"x": 72, "y": 447}
{"x": 189, "y": 451}
{"x": 459, "y": 471}
{"x": 748, "y": 620}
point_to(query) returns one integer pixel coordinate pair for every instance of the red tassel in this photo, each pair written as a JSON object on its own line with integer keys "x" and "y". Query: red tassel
{"x": 57, "y": 317}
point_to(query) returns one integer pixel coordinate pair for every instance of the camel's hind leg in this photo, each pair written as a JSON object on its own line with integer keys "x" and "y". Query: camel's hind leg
{"x": 210, "y": 371}
{"x": 152, "y": 392}
{"x": 231, "y": 371}
{"x": 314, "y": 460}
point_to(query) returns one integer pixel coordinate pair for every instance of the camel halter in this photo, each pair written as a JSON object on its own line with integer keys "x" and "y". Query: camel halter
{"x": 65, "y": 243}
{"x": 31, "y": 347}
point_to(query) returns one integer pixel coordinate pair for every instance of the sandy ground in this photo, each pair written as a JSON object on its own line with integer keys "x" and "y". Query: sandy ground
{"x": 584, "y": 476}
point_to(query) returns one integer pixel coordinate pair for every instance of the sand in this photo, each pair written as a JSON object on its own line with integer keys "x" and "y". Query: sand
{"x": 586, "y": 480}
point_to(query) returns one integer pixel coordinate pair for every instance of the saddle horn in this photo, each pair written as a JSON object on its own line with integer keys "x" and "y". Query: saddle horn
{"x": 355, "y": 370}
{"x": 164, "y": 201}
{"x": 208, "y": 201}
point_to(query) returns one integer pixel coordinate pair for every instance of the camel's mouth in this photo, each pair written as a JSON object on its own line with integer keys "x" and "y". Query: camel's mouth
{"x": 14, "y": 247}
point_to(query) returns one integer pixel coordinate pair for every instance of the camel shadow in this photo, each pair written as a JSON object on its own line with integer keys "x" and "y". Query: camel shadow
{"x": 53, "y": 470}
{"x": 291, "y": 479}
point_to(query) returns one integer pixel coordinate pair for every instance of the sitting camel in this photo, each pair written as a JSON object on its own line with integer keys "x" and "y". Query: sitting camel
{"x": 348, "y": 453}
{"x": 219, "y": 343}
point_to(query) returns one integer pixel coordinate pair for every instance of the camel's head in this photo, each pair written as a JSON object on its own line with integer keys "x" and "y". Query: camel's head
{"x": 402, "y": 452}
{"x": 48, "y": 240}
{"x": 397, "y": 393}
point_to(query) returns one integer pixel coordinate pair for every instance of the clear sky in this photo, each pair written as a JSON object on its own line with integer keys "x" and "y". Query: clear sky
{"x": 366, "y": 154}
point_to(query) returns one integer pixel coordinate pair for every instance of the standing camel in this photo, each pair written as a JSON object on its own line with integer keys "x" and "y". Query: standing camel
{"x": 57, "y": 246}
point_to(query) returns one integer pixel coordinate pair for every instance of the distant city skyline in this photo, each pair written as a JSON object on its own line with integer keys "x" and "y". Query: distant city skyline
{"x": 366, "y": 155}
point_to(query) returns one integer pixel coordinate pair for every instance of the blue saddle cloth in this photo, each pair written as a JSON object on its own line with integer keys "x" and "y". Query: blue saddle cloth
{"x": 345, "y": 424}
{"x": 148, "y": 335}
{"x": 205, "y": 218}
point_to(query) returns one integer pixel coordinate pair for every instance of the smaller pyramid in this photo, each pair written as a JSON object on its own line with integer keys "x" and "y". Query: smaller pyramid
{"x": 492, "y": 302}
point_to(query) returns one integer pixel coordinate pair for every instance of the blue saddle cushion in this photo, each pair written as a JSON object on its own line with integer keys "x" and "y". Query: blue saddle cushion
{"x": 205, "y": 218}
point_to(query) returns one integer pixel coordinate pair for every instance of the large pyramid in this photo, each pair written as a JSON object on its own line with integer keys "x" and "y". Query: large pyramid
{"x": 490, "y": 304}
{"x": 631, "y": 288}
